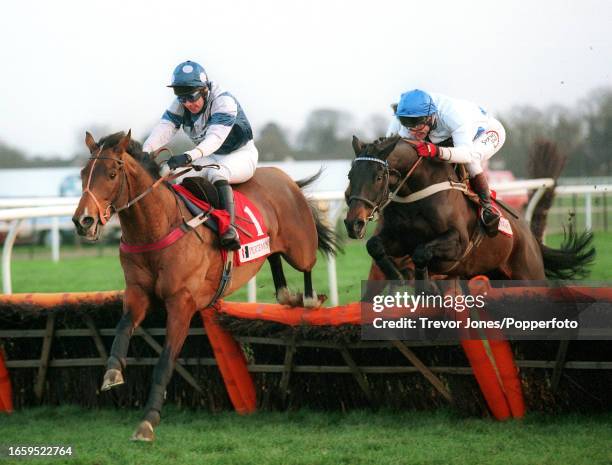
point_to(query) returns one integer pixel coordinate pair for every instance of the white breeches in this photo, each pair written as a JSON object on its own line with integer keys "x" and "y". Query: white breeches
{"x": 483, "y": 148}
{"x": 235, "y": 168}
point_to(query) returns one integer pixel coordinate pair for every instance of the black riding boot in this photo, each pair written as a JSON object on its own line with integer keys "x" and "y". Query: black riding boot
{"x": 489, "y": 214}
{"x": 229, "y": 240}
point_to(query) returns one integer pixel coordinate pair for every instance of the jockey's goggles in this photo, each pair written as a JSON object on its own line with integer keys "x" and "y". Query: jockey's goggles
{"x": 189, "y": 97}
{"x": 415, "y": 123}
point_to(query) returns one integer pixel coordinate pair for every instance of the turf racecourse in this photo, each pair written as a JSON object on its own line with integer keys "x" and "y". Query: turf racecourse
{"x": 302, "y": 437}
{"x": 307, "y": 437}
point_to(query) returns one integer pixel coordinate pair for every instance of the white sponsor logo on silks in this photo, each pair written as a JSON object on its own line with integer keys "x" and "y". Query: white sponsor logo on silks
{"x": 253, "y": 250}
{"x": 504, "y": 226}
{"x": 490, "y": 137}
{"x": 248, "y": 211}
{"x": 187, "y": 69}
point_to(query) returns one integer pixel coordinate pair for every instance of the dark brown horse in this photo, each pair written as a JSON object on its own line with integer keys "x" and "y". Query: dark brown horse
{"x": 185, "y": 275}
{"x": 440, "y": 231}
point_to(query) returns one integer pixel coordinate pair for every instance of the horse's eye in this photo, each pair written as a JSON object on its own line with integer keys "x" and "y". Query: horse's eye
{"x": 379, "y": 178}
{"x": 112, "y": 175}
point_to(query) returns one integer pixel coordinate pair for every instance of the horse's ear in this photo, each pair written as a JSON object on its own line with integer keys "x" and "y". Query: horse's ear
{"x": 357, "y": 145}
{"x": 124, "y": 142}
{"x": 90, "y": 142}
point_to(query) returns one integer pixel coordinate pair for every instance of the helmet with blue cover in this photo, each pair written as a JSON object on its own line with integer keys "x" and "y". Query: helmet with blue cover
{"x": 415, "y": 107}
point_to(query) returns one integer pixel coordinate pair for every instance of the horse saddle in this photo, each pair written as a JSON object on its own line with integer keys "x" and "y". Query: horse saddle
{"x": 203, "y": 189}
{"x": 200, "y": 196}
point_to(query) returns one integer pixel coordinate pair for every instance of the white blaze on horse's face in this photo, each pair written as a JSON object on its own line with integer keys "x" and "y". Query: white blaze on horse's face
{"x": 101, "y": 185}
{"x": 99, "y": 179}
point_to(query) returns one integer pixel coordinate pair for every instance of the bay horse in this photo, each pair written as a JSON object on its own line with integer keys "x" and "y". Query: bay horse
{"x": 439, "y": 229}
{"x": 185, "y": 275}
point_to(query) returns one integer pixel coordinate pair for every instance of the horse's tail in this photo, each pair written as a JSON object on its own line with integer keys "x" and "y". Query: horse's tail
{"x": 572, "y": 259}
{"x": 545, "y": 161}
{"x": 576, "y": 252}
{"x": 329, "y": 241}
{"x": 309, "y": 180}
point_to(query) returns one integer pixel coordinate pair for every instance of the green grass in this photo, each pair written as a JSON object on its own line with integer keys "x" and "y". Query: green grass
{"x": 307, "y": 437}
{"x": 69, "y": 275}
{"x": 96, "y": 273}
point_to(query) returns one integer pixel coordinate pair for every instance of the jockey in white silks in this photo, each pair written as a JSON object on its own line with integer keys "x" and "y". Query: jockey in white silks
{"x": 215, "y": 122}
{"x": 431, "y": 118}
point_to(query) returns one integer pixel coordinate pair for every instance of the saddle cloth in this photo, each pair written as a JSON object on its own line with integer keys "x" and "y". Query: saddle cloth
{"x": 504, "y": 226}
{"x": 251, "y": 227}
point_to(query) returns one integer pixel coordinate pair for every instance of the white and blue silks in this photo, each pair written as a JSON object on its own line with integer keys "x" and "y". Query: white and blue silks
{"x": 477, "y": 136}
{"x": 221, "y": 132}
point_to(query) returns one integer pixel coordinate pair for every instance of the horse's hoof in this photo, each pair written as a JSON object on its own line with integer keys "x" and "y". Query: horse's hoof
{"x": 144, "y": 432}
{"x": 285, "y": 297}
{"x": 112, "y": 378}
{"x": 313, "y": 302}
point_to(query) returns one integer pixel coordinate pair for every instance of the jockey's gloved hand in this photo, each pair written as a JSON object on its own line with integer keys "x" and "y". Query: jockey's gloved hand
{"x": 178, "y": 161}
{"x": 426, "y": 149}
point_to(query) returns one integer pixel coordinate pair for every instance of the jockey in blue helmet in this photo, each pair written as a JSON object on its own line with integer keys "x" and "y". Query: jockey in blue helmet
{"x": 431, "y": 118}
{"x": 215, "y": 122}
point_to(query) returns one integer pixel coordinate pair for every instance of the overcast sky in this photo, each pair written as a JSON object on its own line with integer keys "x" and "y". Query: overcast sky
{"x": 68, "y": 66}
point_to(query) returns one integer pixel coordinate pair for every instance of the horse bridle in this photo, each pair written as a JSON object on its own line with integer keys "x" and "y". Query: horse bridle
{"x": 106, "y": 214}
{"x": 385, "y": 195}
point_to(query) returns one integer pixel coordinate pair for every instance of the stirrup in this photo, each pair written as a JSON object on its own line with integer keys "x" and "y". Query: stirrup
{"x": 491, "y": 226}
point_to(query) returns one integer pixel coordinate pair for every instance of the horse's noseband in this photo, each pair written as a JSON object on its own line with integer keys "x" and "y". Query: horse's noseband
{"x": 386, "y": 194}
{"x": 104, "y": 217}
{"x": 377, "y": 204}
{"x": 105, "y": 214}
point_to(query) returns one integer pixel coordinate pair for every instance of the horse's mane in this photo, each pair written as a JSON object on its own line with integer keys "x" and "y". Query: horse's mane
{"x": 381, "y": 145}
{"x": 135, "y": 150}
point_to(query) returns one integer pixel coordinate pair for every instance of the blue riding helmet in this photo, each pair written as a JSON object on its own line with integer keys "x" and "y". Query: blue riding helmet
{"x": 189, "y": 74}
{"x": 414, "y": 104}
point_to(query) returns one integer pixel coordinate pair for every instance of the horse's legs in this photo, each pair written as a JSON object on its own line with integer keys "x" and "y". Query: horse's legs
{"x": 447, "y": 247}
{"x": 377, "y": 250}
{"x": 135, "y": 305}
{"x": 311, "y": 300}
{"x": 283, "y": 294}
{"x": 180, "y": 309}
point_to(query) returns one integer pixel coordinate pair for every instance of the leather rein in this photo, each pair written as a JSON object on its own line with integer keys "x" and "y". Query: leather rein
{"x": 387, "y": 196}
{"x": 107, "y": 213}
{"x": 176, "y": 233}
